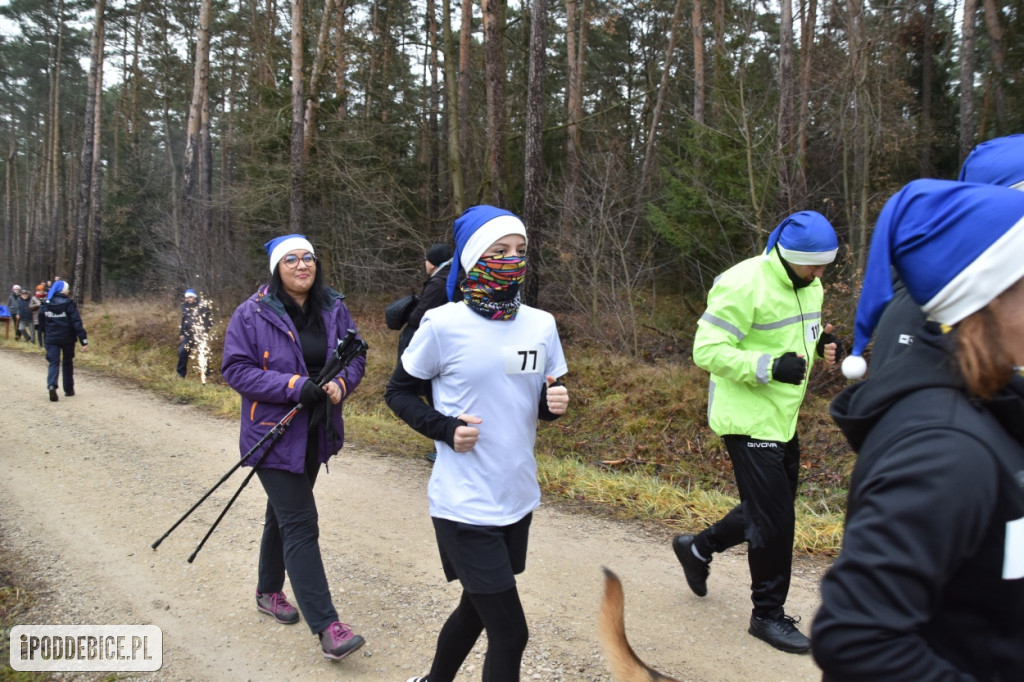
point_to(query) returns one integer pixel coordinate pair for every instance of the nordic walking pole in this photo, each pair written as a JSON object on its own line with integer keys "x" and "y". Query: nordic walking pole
{"x": 347, "y": 350}
{"x": 225, "y": 477}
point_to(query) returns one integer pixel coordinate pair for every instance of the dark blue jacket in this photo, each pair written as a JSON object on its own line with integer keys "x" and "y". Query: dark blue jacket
{"x": 60, "y": 322}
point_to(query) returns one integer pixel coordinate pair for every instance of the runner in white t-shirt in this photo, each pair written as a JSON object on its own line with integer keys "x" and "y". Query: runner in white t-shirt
{"x": 492, "y": 363}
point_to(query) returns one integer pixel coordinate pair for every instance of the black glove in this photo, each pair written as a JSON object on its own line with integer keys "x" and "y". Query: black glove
{"x": 826, "y": 339}
{"x": 789, "y": 368}
{"x": 312, "y": 395}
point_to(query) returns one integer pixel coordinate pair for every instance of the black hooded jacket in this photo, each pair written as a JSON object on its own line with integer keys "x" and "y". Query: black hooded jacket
{"x": 60, "y": 321}
{"x": 930, "y": 581}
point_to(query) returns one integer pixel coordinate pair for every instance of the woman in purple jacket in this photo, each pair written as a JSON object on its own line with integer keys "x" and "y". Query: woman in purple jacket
{"x": 277, "y": 342}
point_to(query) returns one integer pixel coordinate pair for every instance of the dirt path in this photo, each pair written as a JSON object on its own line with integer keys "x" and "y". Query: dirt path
{"x": 90, "y": 482}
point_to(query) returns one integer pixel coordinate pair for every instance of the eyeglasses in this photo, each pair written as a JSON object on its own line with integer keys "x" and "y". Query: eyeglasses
{"x": 291, "y": 261}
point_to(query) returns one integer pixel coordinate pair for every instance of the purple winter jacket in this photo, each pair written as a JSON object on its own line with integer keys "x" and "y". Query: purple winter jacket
{"x": 263, "y": 362}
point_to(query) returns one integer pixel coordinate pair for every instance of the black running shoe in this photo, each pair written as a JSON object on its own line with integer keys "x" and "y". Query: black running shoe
{"x": 781, "y": 633}
{"x": 695, "y": 570}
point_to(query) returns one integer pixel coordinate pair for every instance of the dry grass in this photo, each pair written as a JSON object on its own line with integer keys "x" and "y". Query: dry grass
{"x": 635, "y": 441}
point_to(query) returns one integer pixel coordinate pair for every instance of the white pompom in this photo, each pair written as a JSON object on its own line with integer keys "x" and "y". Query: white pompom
{"x": 854, "y": 367}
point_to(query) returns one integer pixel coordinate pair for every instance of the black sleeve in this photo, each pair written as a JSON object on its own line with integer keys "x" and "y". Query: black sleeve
{"x": 403, "y": 397}
{"x": 544, "y": 413}
{"x": 434, "y": 294}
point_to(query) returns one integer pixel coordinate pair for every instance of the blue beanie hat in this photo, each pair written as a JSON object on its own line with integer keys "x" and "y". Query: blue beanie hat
{"x": 956, "y": 246}
{"x": 279, "y": 246}
{"x": 58, "y": 287}
{"x": 805, "y": 238}
{"x": 999, "y": 161}
{"x": 190, "y": 292}
{"x": 476, "y": 229}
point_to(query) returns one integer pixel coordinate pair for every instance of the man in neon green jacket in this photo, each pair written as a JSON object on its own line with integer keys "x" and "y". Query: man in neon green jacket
{"x": 758, "y": 338}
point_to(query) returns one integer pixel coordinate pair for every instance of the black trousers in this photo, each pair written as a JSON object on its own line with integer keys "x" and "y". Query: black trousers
{"x": 766, "y": 475}
{"x": 291, "y": 540}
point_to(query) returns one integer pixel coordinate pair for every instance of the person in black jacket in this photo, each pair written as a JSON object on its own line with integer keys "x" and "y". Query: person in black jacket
{"x": 60, "y": 322}
{"x": 929, "y": 584}
{"x": 195, "y": 321}
{"x": 438, "y": 263}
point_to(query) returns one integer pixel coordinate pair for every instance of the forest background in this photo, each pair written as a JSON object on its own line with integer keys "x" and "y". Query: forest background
{"x": 150, "y": 146}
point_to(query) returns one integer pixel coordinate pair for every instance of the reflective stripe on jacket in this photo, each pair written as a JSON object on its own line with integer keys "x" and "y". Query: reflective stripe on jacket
{"x": 754, "y": 315}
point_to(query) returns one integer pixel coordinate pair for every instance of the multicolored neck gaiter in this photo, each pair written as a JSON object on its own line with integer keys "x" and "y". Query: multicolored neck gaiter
{"x": 492, "y": 287}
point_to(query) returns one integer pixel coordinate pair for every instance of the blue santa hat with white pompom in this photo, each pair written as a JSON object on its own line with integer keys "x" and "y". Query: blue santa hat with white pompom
{"x": 956, "y": 246}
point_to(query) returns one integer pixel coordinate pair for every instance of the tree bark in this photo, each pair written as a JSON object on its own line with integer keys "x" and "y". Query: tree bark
{"x": 533, "y": 215}
{"x": 576, "y": 48}
{"x": 659, "y": 101}
{"x": 313, "y": 98}
{"x": 465, "y": 70}
{"x": 494, "y": 65}
{"x": 96, "y": 181}
{"x": 454, "y": 112}
{"x": 86, "y": 163}
{"x": 340, "y": 62}
{"x": 927, "y": 56}
{"x": 803, "y": 113}
{"x": 193, "y": 206}
{"x": 298, "y": 160}
{"x": 697, "y": 27}
{"x": 785, "y": 141}
{"x": 433, "y": 113}
{"x": 994, "y": 26}
{"x": 967, "y": 61}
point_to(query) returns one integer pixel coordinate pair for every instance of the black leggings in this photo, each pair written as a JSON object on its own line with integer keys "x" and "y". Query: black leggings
{"x": 502, "y": 616}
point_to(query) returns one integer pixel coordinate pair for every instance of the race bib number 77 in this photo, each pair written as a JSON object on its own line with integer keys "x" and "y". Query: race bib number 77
{"x": 524, "y": 360}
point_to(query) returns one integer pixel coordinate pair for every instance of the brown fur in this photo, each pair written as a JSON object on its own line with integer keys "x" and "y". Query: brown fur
{"x": 625, "y": 665}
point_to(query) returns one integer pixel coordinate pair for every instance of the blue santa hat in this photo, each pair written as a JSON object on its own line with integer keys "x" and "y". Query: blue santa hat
{"x": 58, "y": 287}
{"x": 999, "y": 161}
{"x": 955, "y": 245}
{"x": 279, "y": 246}
{"x": 476, "y": 229}
{"x": 805, "y": 238}
{"x": 190, "y": 292}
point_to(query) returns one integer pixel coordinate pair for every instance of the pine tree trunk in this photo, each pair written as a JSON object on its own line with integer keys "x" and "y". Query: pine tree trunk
{"x": 96, "y": 205}
{"x": 785, "y": 140}
{"x": 659, "y": 101}
{"x": 193, "y": 206}
{"x": 994, "y": 26}
{"x": 313, "y": 97}
{"x": 803, "y": 109}
{"x": 298, "y": 161}
{"x": 927, "y": 57}
{"x": 465, "y": 70}
{"x": 494, "y": 65}
{"x": 533, "y": 215}
{"x": 967, "y": 61}
{"x": 697, "y": 27}
{"x": 454, "y": 111}
{"x": 86, "y": 164}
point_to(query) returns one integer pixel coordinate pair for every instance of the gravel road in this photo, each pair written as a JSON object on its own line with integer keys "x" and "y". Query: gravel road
{"x": 90, "y": 482}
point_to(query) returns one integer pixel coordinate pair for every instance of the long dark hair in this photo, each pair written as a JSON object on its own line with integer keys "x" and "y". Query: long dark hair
{"x": 316, "y": 299}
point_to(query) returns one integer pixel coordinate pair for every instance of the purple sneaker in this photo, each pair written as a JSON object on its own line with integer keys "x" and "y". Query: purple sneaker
{"x": 276, "y": 605}
{"x": 338, "y": 641}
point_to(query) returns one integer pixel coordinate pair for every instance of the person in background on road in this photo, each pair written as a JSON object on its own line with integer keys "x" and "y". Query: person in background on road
{"x": 758, "y": 338}
{"x": 999, "y": 161}
{"x": 929, "y": 584}
{"x": 62, "y": 325}
{"x": 12, "y": 306}
{"x": 276, "y": 343}
{"x": 195, "y": 320}
{"x": 24, "y": 317}
{"x": 492, "y": 363}
{"x": 38, "y": 302}
{"x": 437, "y": 263}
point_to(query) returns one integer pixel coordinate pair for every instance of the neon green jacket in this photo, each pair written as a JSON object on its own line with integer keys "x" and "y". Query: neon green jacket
{"x": 754, "y": 315}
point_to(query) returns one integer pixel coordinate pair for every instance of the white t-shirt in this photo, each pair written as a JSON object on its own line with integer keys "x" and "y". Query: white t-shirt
{"x": 493, "y": 370}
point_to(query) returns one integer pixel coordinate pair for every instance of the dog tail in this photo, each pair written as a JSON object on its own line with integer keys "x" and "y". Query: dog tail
{"x": 626, "y": 666}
